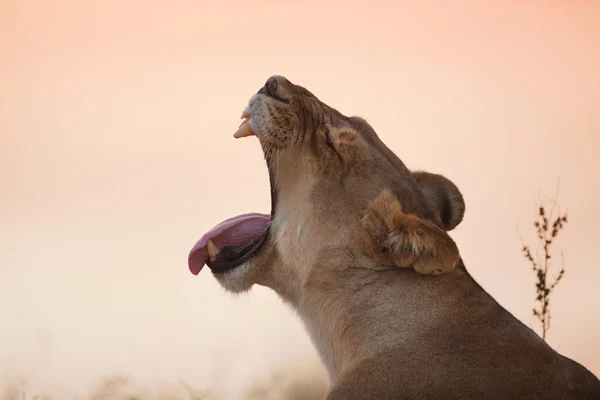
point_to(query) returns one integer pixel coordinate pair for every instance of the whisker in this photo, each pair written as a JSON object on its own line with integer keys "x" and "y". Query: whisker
{"x": 279, "y": 154}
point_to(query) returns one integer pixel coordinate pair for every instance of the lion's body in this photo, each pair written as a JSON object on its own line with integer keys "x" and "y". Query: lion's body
{"x": 441, "y": 337}
{"x": 357, "y": 245}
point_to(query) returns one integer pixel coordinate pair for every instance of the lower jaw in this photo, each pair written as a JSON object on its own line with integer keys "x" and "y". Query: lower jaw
{"x": 232, "y": 257}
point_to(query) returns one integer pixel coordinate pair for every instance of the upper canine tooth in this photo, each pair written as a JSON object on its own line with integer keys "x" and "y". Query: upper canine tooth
{"x": 213, "y": 250}
{"x": 244, "y": 130}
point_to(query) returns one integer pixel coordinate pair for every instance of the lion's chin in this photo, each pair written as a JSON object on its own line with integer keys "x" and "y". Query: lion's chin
{"x": 236, "y": 280}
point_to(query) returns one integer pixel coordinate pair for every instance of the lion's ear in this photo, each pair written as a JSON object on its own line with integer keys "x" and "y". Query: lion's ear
{"x": 443, "y": 197}
{"x": 393, "y": 237}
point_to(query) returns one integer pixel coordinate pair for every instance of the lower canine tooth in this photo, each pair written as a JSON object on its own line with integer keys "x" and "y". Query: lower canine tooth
{"x": 212, "y": 249}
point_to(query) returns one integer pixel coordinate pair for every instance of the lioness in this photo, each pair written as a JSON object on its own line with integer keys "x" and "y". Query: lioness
{"x": 382, "y": 332}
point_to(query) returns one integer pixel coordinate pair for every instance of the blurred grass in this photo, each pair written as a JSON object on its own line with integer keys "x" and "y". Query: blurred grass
{"x": 293, "y": 385}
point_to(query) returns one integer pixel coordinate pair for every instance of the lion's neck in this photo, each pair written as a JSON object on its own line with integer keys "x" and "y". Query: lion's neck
{"x": 356, "y": 314}
{"x": 300, "y": 236}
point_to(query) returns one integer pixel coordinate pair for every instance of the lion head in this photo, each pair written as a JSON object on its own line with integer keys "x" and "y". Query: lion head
{"x": 336, "y": 188}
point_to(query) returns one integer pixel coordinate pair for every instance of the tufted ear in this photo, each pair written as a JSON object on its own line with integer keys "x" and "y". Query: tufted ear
{"x": 443, "y": 197}
{"x": 392, "y": 237}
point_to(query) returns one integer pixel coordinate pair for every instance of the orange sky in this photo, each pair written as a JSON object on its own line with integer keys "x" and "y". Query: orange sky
{"x": 116, "y": 123}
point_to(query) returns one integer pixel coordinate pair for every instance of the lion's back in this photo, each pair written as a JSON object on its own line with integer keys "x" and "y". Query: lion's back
{"x": 431, "y": 378}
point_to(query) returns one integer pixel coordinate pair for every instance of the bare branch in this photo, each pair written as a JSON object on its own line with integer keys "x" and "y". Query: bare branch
{"x": 547, "y": 229}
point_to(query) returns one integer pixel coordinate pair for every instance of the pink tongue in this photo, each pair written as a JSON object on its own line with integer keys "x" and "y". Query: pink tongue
{"x": 231, "y": 232}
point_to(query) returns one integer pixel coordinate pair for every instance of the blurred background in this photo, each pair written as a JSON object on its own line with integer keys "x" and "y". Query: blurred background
{"x": 116, "y": 155}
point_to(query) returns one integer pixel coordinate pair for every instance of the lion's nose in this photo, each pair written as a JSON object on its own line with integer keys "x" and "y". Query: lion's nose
{"x": 271, "y": 86}
{"x": 276, "y": 87}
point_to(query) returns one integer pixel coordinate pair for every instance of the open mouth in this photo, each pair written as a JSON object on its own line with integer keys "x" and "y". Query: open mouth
{"x": 237, "y": 239}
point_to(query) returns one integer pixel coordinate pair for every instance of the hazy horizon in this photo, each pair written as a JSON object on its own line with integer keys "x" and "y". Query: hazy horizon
{"x": 116, "y": 126}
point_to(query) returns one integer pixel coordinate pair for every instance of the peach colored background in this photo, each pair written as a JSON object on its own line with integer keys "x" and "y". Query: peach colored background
{"x": 116, "y": 154}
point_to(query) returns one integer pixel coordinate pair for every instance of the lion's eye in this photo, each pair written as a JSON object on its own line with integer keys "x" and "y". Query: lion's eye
{"x": 329, "y": 142}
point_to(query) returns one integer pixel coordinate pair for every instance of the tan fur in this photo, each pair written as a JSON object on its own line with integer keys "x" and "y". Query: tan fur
{"x": 347, "y": 215}
{"x": 395, "y": 238}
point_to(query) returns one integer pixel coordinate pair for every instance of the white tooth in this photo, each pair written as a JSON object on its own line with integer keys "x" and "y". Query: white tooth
{"x": 213, "y": 250}
{"x": 244, "y": 121}
{"x": 244, "y": 130}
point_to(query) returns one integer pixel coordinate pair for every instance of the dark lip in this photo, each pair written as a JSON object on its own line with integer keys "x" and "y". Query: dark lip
{"x": 231, "y": 257}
